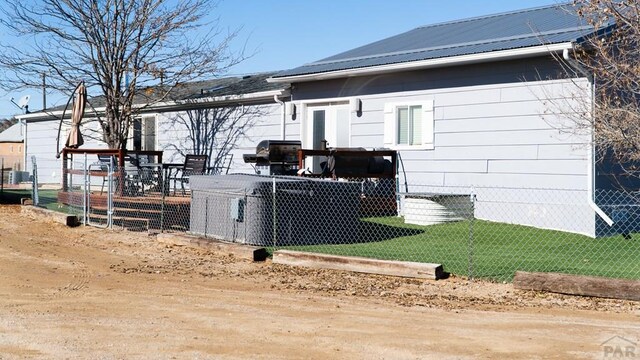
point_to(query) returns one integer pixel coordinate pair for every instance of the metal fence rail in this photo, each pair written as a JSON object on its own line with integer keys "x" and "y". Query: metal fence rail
{"x": 477, "y": 232}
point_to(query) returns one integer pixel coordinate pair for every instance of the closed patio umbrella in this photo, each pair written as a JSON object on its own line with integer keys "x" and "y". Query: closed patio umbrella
{"x": 74, "y": 140}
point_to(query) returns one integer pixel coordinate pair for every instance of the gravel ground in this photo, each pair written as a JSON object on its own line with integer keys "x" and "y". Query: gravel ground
{"x": 92, "y": 293}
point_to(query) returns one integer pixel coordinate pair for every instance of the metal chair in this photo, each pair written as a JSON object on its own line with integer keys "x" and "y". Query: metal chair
{"x": 193, "y": 165}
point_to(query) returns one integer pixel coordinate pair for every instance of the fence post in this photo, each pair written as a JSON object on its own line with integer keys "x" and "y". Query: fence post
{"x": 472, "y": 199}
{"x": 110, "y": 172}
{"x": 34, "y": 182}
{"x": 86, "y": 192}
{"x": 273, "y": 210}
{"x": 164, "y": 189}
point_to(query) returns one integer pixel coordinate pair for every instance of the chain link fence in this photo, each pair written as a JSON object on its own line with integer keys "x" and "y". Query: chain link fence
{"x": 12, "y": 175}
{"x": 477, "y": 232}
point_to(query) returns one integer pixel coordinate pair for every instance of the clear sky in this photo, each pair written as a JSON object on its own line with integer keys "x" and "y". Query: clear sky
{"x": 284, "y": 34}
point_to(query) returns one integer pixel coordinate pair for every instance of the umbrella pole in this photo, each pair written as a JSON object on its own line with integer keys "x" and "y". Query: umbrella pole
{"x": 58, "y": 151}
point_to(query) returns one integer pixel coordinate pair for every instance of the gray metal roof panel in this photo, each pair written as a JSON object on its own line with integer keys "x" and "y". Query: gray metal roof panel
{"x": 12, "y": 134}
{"x": 228, "y": 86}
{"x": 519, "y": 29}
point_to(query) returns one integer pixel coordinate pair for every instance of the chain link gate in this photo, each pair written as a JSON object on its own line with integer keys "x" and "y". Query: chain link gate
{"x": 82, "y": 198}
{"x": 99, "y": 209}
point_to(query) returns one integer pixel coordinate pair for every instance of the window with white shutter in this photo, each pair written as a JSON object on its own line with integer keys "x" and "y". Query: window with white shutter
{"x": 409, "y": 125}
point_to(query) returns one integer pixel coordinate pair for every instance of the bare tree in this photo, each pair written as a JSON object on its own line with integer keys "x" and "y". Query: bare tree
{"x": 130, "y": 52}
{"x": 611, "y": 57}
{"x": 7, "y": 123}
{"x": 214, "y": 132}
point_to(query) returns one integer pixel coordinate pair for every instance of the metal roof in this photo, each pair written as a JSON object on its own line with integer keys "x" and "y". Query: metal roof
{"x": 197, "y": 90}
{"x": 512, "y": 30}
{"x": 12, "y": 134}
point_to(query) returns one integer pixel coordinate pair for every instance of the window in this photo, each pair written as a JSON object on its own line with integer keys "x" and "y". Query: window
{"x": 409, "y": 125}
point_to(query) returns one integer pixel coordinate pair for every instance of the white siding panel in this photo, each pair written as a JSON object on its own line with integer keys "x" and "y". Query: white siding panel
{"x": 443, "y": 98}
{"x": 446, "y": 166}
{"x": 479, "y": 96}
{"x": 529, "y": 122}
{"x": 422, "y": 178}
{"x": 531, "y": 181}
{"x": 563, "y": 151}
{"x": 544, "y": 90}
{"x": 474, "y": 153}
{"x": 292, "y": 129}
{"x": 520, "y": 137}
{"x": 367, "y": 129}
{"x": 533, "y": 107}
{"x": 367, "y": 141}
{"x": 569, "y": 167}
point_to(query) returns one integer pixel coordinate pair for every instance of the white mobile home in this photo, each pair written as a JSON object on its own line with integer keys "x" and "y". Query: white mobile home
{"x": 168, "y": 126}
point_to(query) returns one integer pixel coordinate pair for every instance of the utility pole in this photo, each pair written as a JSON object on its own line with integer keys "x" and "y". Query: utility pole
{"x": 44, "y": 91}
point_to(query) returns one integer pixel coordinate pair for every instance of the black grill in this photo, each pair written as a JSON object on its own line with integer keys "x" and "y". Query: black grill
{"x": 275, "y": 157}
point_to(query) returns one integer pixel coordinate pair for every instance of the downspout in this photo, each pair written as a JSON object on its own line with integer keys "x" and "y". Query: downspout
{"x": 590, "y": 151}
{"x": 283, "y": 118}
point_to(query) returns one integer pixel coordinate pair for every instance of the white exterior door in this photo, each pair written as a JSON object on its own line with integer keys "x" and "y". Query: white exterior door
{"x": 330, "y": 123}
{"x": 143, "y": 134}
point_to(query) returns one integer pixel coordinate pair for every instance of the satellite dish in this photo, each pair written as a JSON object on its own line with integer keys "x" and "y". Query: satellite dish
{"x": 24, "y": 101}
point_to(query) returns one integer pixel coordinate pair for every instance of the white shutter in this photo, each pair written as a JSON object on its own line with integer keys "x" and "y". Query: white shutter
{"x": 428, "y": 124}
{"x": 389, "y": 125}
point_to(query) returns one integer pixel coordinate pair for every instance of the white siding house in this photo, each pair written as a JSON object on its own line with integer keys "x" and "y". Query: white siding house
{"x": 479, "y": 106}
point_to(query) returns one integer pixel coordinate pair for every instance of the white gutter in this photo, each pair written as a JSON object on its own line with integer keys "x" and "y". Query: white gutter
{"x": 590, "y": 150}
{"x": 166, "y": 106}
{"x": 283, "y": 119}
{"x": 431, "y": 63}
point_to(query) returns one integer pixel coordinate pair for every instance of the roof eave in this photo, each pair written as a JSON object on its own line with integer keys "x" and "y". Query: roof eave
{"x": 183, "y": 105}
{"x": 430, "y": 63}
{"x": 180, "y": 105}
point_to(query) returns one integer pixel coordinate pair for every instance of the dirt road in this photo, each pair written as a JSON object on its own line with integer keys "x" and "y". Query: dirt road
{"x": 92, "y": 293}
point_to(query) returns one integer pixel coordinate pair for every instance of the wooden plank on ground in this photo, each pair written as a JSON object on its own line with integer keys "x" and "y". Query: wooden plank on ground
{"x": 65, "y": 219}
{"x": 359, "y": 264}
{"x": 252, "y": 253}
{"x": 578, "y": 285}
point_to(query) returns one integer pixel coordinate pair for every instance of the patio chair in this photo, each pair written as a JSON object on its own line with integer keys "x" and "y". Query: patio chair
{"x": 137, "y": 175}
{"x": 193, "y": 165}
{"x": 146, "y": 175}
{"x": 131, "y": 176}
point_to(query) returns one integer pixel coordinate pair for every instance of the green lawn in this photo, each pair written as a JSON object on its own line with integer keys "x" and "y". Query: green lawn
{"x": 48, "y": 199}
{"x": 494, "y": 251}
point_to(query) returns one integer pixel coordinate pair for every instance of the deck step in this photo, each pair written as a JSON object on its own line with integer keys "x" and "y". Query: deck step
{"x": 129, "y": 223}
{"x": 129, "y": 212}
{"x": 151, "y": 218}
